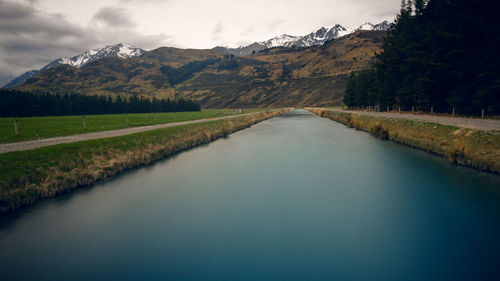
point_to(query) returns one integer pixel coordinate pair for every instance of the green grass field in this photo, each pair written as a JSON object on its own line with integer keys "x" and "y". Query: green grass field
{"x": 31, "y": 128}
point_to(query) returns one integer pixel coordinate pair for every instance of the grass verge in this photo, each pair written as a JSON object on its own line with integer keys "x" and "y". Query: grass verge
{"x": 31, "y": 128}
{"x": 469, "y": 147}
{"x": 28, "y": 176}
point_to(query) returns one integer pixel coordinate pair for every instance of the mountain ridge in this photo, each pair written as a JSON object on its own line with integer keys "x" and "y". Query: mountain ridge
{"x": 315, "y": 38}
{"x": 124, "y": 50}
{"x": 278, "y": 76}
{"x": 119, "y": 50}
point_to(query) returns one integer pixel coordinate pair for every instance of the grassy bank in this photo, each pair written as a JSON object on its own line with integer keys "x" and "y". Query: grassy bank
{"x": 468, "y": 147}
{"x": 31, "y": 128}
{"x": 28, "y": 176}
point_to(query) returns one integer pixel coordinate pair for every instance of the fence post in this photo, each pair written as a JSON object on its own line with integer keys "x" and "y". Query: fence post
{"x": 175, "y": 116}
{"x": 453, "y": 113}
{"x": 191, "y": 116}
{"x": 399, "y": 109}
{"x": 16, "y": 129}
{"x": 482, "y": 113}
{"x": 412, "y": 109}
{"x": 84, "y": 123}
{"x": 126, "y": 120}
{"x": 387, "y": 108}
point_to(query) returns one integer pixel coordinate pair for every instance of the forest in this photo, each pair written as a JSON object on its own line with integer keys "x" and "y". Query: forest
{"x": 438, "y": 55}
{"x": 21, "y": 104}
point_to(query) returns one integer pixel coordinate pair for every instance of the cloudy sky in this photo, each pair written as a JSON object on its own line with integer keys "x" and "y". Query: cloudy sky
{"x": 35, "y": 32}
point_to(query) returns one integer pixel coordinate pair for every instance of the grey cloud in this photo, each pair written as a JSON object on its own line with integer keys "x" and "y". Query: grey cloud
{"x": 114, "y": 17}
{"x": 217, "y": 30}
{"x": 30, "y": 38}
{"x": 248, "y": 30}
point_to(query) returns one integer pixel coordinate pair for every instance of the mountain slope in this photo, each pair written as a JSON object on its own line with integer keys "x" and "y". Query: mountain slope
{"x": 21, "y": 78}
{"x": 120, "y": 50}
{"x": 313, "y": 76}
{"x": 279, "y": 76}
{"x": 140, "y": 75}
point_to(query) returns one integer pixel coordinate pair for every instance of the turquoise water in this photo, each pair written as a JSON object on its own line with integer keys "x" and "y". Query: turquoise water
{"x": 296, "y": 197}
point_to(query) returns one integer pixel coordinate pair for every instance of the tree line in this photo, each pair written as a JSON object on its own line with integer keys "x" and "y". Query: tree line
{"x": 19, "y": 104}
{"x": 438, "y": 54}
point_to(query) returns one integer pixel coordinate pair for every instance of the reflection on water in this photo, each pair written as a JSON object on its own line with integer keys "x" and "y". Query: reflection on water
{"x": 296, "y": 197}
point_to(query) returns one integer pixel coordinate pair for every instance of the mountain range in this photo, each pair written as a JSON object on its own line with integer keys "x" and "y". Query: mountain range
{"x": 315, "y": 38}
{"x": 123, "y": 50}
{"x": 275, "y": 77}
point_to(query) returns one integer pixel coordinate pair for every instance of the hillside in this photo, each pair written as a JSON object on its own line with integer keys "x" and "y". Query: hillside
{"x": 139, "y": 76}
{"x": 312, "y": 76}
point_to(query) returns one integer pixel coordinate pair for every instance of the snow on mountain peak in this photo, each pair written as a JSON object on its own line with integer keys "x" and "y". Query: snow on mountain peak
{"x": 328, "y": 33}
{"x": 281, "y": 40}
{"x": 318, "y": 37}
{"x": 120, "y": 50}
{"x": 366, "y": 26}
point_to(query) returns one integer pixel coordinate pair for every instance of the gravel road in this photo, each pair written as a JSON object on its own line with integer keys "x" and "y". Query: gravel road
{"x": 473, "y": 123}
{"x": 25, "y": 145}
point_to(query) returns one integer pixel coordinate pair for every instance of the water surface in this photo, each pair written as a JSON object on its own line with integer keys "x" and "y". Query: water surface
{"x": 296, "y": 197}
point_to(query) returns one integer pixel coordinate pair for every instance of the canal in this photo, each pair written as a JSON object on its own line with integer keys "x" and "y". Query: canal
{"x": 296, "y": 197}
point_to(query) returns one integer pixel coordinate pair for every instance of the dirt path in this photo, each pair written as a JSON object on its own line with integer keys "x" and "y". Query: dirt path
{"x": 480, "y": 124}
{"x": 25, "y": 145}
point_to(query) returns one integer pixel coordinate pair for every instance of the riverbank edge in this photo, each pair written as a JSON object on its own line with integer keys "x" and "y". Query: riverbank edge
{"x": 467, "y": 147}
{"x": 33, "y": 175}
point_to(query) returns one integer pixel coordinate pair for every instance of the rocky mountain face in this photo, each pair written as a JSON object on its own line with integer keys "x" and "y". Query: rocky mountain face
{"x": 318, "y": 37}
{"x": 120, "y": 50}
{"x": 279, "y": 76}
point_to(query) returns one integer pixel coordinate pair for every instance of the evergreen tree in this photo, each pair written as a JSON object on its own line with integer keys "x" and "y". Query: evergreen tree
{"x": 438, "y": 53}
{"x": 18, "y": 104}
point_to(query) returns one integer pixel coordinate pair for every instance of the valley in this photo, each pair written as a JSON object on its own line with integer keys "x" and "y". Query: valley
{"x": 249, "y": 140}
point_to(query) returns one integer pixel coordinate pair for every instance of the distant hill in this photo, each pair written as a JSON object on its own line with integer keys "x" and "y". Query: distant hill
{"x": 278, "y": 76}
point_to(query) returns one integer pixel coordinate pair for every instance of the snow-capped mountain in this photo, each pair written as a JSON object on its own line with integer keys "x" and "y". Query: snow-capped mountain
{"x": 380, "y": 26}
{"x": 322, "y": 35}
{"x": 121, "y": 50}
{"x": 318, "y": 37}
{"x": 283, "y": 40}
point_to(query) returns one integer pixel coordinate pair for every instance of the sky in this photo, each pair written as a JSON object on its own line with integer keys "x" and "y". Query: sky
{"x": 35, "y": 32}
